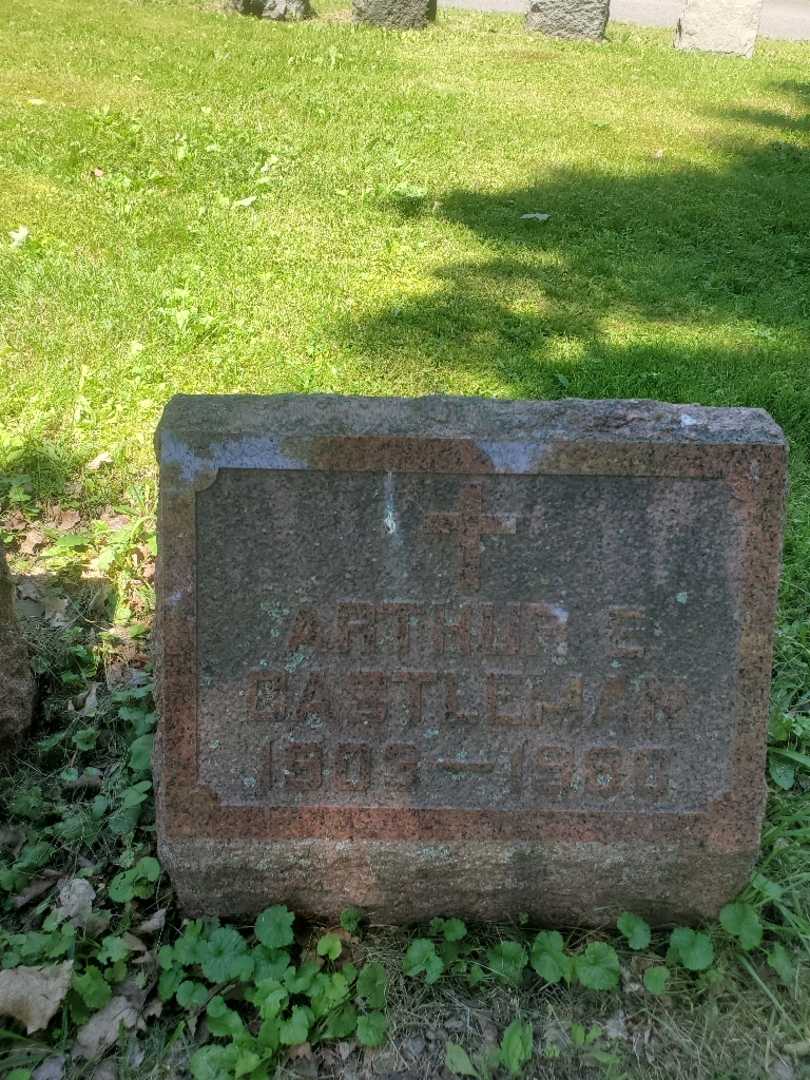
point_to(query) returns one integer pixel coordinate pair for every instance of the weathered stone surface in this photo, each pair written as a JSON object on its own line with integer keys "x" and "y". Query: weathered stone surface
{"x": 16, "y": 682}
{"x": 569, "y": 18}
{"x": 460, "y": 656}
{"x": 394, "y": 14}
{"x": 277, "y": 10}
{"x": 724, "y": 26}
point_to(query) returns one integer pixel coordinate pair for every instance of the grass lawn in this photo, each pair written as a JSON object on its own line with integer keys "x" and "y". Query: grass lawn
{"x": 205, "y": 203}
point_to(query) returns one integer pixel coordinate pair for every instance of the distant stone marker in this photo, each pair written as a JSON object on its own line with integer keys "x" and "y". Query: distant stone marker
{"x": 724, "y": 26}
{"x": 16, "y": 681}
{"x": 394, "y": 14}
{"x": 461, "y": 656}
{"x": 275, "y": 10}
{"x": 569, "y": 18}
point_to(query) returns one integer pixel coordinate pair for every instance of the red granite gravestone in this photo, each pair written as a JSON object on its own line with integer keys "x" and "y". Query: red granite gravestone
{"x": 461, "y": 656}
{"x": 16, "y": 680}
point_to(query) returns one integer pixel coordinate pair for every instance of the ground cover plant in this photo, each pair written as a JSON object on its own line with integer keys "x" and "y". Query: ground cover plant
{"x": 194, "y": 202}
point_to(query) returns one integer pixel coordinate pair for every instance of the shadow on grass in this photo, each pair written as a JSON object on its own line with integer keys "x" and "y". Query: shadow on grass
{"x": 707, "y": 272}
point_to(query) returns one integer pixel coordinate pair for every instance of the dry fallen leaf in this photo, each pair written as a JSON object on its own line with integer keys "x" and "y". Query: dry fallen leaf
{"x": 107, "y": 1070}
{"x": 133, "y": 943}
{"x": 35, "y": 889}
{"x": 27, "y": 589}
{"x": 31, "y": 541}
{"x": 153, "y": 924}
{"x": 52, "y": 1068}
{"x": 76, "y": 898}
{"x": 15, "y": 521}
{"x": 55, "y": 609}
{"x": 101, "y": 1031}
{"x": 12, "y": 838}
{"x": 153, "y": 1009}
{"x": 67, "y": 520}
{"x": 103, "y": 458}
{"x": 32, "y": 995}
{"x": 115, "y": 521}
{"x": 19, "y": 236}
{"x": 90, "y": 704}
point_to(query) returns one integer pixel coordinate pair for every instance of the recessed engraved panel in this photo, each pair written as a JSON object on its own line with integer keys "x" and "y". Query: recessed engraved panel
{"x": 431, "y": 641}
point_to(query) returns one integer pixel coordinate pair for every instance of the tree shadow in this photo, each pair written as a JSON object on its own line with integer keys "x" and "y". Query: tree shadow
{"x": 678, "y": 282}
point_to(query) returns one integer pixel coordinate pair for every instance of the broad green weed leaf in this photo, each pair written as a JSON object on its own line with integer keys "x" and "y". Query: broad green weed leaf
{"x": 225, "y": 956}
{"x": 330, "y": 946}
{"x": 214, "y": 1062}
{"x": 458, "y": 1062}
{"x": 780, "y": 961}
{"x": 299, "y": 980}
{"x": 742, "y": 922}
{"x": 246, "y": 1063}
{"x": 597, "y": 967}
{"x": 189, "y": 947}
{"x": 767, "y": 888}
{"x": 327, "y": 992}
{"x": 85, "y": 738}
{"x": 169, "y": 982}
{"x": 270, "y": 998}
{"x": 635, "y": 929}
{"x": 454, "y": 930}
{"x": 269, "y": 963}
{"x": 122, "y": 887}
{"x": 140, "y": 753}
{"x": 350, "y": 919}
{"x": 371, "y": 1029}
{"x": 507, "y": 960}
{"x": 782, "y": 773}
{"x": 341, "y": 1023}
{"x": 112, "y": 950}
{"x": 549, "y": 958}
{"x": 656, "y": 979}
{"x": 274, "y": 927}
{"x": 516, "y": 1046}
{"x": 191, "y": 995}
{"x": 692, "y": 948}
{"x": 421, "y": 957}
{"x": 92, "y": 987}
{"x": 223, "y": 1020}
{"x": 295, "y": 1030}
{"x": 147, "y": 868}
{"x": 372, "y": 983}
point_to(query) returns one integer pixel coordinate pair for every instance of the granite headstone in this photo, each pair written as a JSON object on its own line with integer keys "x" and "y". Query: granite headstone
{"x": 16, "y": 680}
{"x": 723, "y": 26}
{"x": 569, "y": 18}
{"x": 461, "y": 656}
{"x": 394, "y": 14}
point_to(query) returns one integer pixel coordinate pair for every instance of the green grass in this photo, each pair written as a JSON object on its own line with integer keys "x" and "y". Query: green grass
{"x": 384, "y": 252}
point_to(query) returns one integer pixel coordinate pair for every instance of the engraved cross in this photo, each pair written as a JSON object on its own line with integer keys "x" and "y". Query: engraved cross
{"x": 470, "y": 523}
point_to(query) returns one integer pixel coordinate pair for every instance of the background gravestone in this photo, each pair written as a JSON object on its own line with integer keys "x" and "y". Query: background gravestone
{"x": 16, "y": 682}
{"x": 276, "y": 10}
{"x": 725, "y": 26}
{"x": 394, "y": 14}
{"x": 454, "y": 655}
{"x": 569, "y": 18}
